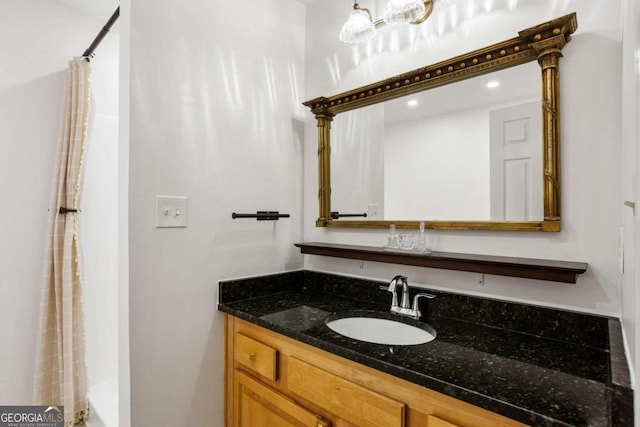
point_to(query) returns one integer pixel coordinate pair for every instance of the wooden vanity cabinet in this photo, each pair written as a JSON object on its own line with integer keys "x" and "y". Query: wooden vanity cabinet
{"x": 272, "y": 381}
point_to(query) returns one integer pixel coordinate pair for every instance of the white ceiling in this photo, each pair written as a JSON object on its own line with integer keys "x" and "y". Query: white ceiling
{"x": 103, "y": 9}
{"x": 99, "y": 9}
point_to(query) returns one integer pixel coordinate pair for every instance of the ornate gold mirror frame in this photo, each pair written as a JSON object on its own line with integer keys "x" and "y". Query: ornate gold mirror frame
{"x": 543, "y": 42}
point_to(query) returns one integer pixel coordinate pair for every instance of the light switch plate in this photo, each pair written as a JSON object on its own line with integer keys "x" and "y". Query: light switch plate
{"x": 171, "y": 211}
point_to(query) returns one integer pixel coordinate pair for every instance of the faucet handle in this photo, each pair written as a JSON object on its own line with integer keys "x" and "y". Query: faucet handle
{"x": 395, "y": 280}
{"x": 392, "y": 288}
{"x": 416, "y": 297}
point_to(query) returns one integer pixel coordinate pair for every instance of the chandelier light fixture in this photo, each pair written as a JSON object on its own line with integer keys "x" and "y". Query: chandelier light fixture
{"x": 361, "y": 27}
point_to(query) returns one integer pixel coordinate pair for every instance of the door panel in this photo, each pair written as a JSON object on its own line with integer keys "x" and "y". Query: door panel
{"x": 257, "y": 405}
{"x": 516, "y": 163}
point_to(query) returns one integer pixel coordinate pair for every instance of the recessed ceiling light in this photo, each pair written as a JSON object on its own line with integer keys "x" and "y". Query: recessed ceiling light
{"x": 412, "y": 103}
{"x": 493, "y": 84}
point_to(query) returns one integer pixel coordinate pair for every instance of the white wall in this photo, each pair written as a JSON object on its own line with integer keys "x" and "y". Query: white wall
{"x": 591, "y": 104}
{"x": 630, "y": 180}
{"x": 419, "y": 185}
{"x": 357, "y": 157}
{"x": 124, "y": 371}
{"x": 99, "y": 232}
{"x": 216, "y": 117}
{"x": 37, "y": 39}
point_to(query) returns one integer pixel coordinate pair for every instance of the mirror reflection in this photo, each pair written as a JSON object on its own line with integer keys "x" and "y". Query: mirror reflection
{"x": 469, "y": 151}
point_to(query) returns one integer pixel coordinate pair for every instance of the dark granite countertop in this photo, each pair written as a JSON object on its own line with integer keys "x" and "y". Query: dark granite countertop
{"x": 539, "y": 366}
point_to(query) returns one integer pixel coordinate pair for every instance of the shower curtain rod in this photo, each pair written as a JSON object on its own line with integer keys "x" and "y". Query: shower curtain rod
{"x": 89, "y": 52}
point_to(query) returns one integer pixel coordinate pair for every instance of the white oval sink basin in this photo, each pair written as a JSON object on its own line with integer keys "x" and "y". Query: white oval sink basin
{"x": 381, "y": 331}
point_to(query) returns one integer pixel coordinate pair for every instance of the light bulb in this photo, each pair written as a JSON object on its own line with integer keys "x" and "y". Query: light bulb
{"x": 358, "y": 27}
{"x": 403, "y": 11}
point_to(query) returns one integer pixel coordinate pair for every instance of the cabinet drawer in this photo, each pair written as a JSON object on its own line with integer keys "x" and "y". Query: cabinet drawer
{"x": 255, "y": 356}
{"x": 349, "y": 401}
{"x": 434, "y": 421}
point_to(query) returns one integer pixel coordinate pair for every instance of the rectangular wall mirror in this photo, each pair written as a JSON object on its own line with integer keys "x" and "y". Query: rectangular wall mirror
{"x": 469, "y": 143}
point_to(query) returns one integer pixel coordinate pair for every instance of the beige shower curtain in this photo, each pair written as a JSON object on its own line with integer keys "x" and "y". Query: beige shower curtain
{"x": 60, "y": 375}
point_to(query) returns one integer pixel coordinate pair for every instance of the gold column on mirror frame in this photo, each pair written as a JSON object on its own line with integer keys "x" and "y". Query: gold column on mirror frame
{"x": 324, "y": 168}
{"x": 549, "y": 54}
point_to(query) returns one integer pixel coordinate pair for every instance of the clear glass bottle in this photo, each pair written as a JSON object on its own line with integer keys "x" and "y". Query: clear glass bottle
{"x": 407, "y": 242}
{"x": 422, "y": 245}
{"x": 392, "y": 240}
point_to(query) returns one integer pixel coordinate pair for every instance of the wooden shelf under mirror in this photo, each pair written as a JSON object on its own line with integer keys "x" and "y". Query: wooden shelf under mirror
{"x": 530, "y": 268}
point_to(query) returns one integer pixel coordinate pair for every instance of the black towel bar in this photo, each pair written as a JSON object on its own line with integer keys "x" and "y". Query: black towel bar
{"x": 338, "y": 215}
{"x": 262, "y": 215}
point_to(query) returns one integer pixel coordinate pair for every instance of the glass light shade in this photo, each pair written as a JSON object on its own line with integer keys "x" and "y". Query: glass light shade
{"x": 358, "y": 27}
{"x": 403, "y": 11}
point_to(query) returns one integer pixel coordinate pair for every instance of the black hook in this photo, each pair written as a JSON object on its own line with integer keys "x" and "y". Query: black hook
{"x": 64, "y": 210}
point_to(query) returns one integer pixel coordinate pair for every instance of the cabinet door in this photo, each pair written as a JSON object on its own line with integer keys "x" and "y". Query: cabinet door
{"x": 257, "y": 405}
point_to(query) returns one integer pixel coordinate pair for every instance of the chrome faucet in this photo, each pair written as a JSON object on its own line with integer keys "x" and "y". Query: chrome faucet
{"x": 404, "y": 308}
